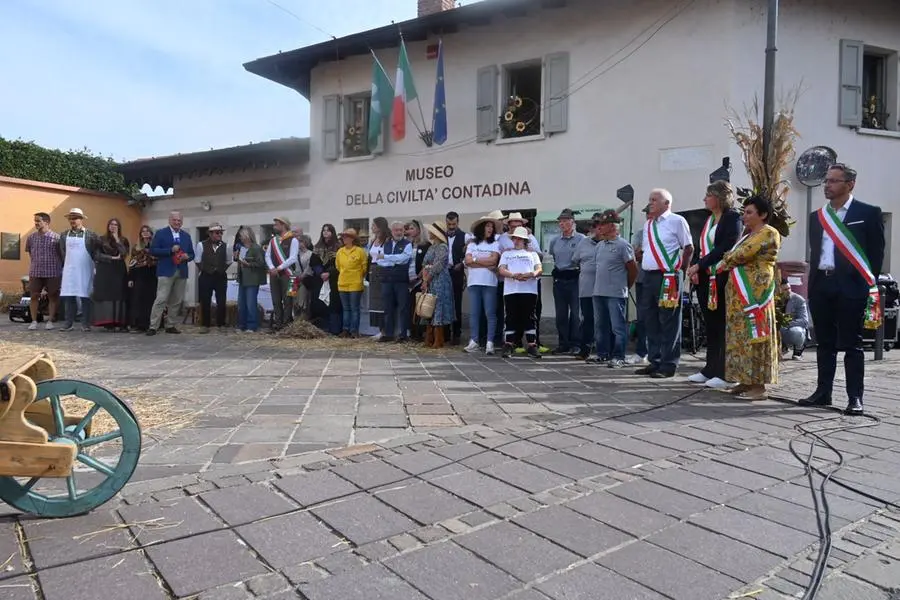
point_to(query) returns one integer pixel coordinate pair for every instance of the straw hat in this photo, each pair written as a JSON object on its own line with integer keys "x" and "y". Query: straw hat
{"x": 516, "y": 216}
{"x": 520, "y": 232}
{"x": 437, "y": 230}
{"x": 284, "y": 220}
{"x": 76, "y": 213}
{"x": 349, "y": 232}
{"x": 496, "y": 217}
{"x": 215, "y": 227}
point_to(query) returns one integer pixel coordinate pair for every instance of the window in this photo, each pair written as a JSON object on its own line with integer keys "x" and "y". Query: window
{"x": 522, "y": 95}
{"x": 266, "y": 232}
{"x": 523, "y": 100}
{"x": 355, "y": 137}
{"x": 869, "y": 87}
{"x": 202, "y": 233}
{"x": 362, "y": 228}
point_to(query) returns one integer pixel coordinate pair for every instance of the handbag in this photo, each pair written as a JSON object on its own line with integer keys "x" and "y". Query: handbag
{"x": 425, "y": 304}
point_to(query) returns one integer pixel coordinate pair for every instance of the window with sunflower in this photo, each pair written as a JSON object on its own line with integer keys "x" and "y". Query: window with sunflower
{"x": 356, "y": 116}
{"x": 521, "y": 115}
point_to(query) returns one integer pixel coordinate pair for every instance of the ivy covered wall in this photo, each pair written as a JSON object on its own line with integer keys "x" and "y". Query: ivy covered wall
{"x": 77, "y": 168}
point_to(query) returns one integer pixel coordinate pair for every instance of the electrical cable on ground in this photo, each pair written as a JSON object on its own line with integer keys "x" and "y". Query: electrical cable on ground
{"x": 820, "y": 496}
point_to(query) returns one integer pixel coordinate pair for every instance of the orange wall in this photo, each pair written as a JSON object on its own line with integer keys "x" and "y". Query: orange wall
{"x": 20, "y": 199}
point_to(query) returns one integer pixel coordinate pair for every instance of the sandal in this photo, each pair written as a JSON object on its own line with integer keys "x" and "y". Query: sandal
{"x": 753, "y": 396}
{"x": 737, "y": 390}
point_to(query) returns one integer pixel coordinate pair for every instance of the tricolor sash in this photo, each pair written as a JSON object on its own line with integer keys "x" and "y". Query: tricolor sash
{"x": 759, "y": 325}
{"x": 669, "y": 292}
{"x": 278, "y": 259}
{"x": 706, "y": 242}
{"x": 844, "y": 241}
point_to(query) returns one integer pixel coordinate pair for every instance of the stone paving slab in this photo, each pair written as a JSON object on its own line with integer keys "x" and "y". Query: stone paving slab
{"x": 570, "y": 495}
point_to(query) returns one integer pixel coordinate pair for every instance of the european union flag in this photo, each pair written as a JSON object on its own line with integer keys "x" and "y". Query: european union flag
{"x": 439, "y": 123}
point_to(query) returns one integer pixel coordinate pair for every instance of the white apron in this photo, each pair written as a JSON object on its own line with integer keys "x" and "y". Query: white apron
{"x": 78, "y": 270}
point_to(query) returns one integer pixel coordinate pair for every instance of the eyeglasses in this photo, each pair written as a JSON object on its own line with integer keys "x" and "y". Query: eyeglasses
{"x": 835, "y": 181}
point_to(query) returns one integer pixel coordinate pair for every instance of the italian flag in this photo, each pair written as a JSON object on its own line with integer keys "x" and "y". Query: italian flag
{"x": 382, "y": 98}
{"x": 404, "y": 91}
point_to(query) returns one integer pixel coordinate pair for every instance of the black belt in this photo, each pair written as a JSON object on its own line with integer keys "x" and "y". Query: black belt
{"x": 826, "y": 272}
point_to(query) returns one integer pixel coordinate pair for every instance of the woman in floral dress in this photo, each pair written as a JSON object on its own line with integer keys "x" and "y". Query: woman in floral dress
{"x": 436, "y": 280}
{"x": 751, "y": 335}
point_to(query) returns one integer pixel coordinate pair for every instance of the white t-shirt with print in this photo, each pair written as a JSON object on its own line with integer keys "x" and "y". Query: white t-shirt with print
{"x": 520, "y": 261}
{"x": 480, "y": 275}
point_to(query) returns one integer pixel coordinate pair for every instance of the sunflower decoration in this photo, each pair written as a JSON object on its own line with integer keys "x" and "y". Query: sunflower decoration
{"x": 354, "y": 142}
{"x": 520, "y": 117}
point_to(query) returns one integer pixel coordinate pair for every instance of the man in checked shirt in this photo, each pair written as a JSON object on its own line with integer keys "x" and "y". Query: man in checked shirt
{"x": 45, "y": 271}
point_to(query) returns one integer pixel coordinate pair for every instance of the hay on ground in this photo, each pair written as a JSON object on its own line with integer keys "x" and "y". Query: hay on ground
{"x": 302, "y": 330}
{"x": 156, "y": 415}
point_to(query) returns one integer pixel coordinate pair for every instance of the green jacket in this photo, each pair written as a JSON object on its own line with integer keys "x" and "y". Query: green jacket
{"x": 255, "y": 272}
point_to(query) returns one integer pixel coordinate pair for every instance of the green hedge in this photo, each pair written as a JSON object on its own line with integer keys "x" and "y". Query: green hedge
{"x": 81, "y": 168}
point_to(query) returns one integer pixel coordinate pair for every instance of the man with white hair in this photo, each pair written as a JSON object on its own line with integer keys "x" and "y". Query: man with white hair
{"x": 666, "y": 251}
{"x": 173, "y": 249}
{"x": 394, "y": 262}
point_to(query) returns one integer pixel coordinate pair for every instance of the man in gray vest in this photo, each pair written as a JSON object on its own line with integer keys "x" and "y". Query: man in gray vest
{"x": 213, "y": 259}
{"x": 281, "y": 258}
{"x": 565, "y": 285}
{"x": 394, "y": 262}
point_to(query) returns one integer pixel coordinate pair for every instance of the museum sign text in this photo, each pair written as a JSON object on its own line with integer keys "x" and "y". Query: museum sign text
{"x": 427, "y": 184}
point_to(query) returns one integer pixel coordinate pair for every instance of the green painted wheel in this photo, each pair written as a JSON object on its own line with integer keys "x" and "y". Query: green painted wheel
{"x": 95, "y": 478}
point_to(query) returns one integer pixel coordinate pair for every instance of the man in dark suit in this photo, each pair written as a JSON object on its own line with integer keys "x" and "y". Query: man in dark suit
{"x": 173, "y": 249}
{"x": 840, "y": 283}
{"x": 456, "y": 239}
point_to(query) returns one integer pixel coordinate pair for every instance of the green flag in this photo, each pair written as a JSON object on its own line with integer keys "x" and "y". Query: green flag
{"x": 380, "y": 104}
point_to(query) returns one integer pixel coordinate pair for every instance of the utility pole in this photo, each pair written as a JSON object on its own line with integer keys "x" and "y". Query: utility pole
{"x": 769, "y": 92}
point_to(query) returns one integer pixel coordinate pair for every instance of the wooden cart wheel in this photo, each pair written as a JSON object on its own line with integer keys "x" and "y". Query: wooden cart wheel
{"x": 95, "y": 478}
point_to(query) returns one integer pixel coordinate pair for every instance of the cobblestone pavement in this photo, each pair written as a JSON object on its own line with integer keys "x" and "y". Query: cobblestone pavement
{"x": 367, "y": 476}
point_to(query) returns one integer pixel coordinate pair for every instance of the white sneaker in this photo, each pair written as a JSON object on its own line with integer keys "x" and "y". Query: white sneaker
{"x": 717, "y": 383}
{"x": 698, "y": 378}
{"x": 49, "y": 326}
{"x": 33, "y": 326}
{"x": 489, "y": 348}
{"x": 472, "y": 347}
{"x": 637, "y": 360}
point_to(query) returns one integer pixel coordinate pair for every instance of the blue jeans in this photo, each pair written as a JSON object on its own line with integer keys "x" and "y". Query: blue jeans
{"x": 248, "y": 307}
{"x": 350, "y": 304}
{"x": 483, "y": 301}
{"x": 568, "y": 321}
{"x": 396, "y": 305}
{"x": 70, "y": 303}
{"x": 587, "y": 321}
{"x": 609, "y": 319}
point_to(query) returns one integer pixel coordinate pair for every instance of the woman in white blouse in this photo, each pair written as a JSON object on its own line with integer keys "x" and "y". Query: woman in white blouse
{"x": 521, "y": 269}
{"x": 482, "y": 255}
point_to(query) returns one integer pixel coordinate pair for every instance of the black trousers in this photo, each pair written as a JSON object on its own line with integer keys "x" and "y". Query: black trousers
{"x": 458, "y": 280}
{"x": 520, "y": 318}
{"x": 209, "y": 284}
{"x": 838, "y": 321}
{"x": 715, "y": 326}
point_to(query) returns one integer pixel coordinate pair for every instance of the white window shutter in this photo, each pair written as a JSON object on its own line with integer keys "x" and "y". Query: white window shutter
{"x": 331, "y": 127}
{"x": 379, "y": 147}
{"x": 556, "y": 92}
{"x": 486, "y": 104}
{"x": 851, "y": 75}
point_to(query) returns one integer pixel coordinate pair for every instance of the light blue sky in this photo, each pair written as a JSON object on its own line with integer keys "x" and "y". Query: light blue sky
{"x": 139, "y": 78}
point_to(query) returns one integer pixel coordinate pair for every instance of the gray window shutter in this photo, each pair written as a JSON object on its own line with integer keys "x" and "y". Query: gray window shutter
{"x": 331, "y": 127}
{"x": 556, "y": 92}
{"x": 486, "y": 104}
{"x": 851, "y": 74}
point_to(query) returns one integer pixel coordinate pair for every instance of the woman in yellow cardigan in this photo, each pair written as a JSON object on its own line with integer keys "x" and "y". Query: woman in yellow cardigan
{"x": 351, "y": 263}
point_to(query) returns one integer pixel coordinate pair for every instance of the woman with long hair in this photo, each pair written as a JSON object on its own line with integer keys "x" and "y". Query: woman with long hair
{"x": 141, "y": 281}
{"x": 326, "y": 314}
{"x": 110, "y": 298}
{"x": 719, "y": 234}
{"x": 381, "y": 231}
{"x": 251, "y": 274}
{"x": 482, "y": 255}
